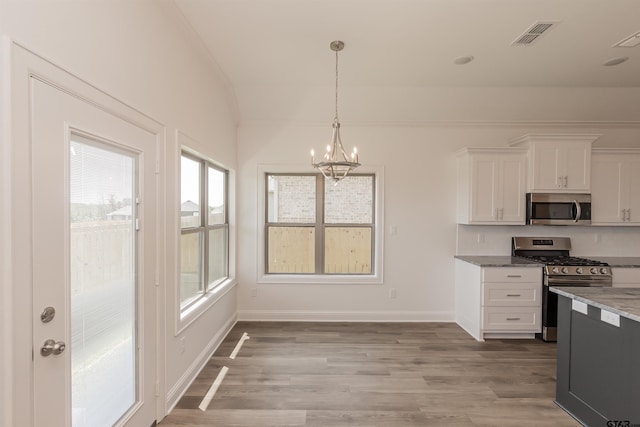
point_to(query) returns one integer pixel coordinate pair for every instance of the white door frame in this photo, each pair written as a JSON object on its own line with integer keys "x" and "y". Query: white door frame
{"x": 18, "y": 65}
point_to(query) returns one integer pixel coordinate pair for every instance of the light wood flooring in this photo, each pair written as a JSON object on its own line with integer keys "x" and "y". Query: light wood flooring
{"x": 374, "y": 374}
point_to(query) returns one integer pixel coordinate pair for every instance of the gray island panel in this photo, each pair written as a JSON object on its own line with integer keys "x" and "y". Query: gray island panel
{"x": 598, "y": 370}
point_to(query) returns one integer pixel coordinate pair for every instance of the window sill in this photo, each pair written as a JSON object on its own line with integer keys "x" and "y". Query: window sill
{"x": 316, "y": 279}
{"x": 189, "y": 315}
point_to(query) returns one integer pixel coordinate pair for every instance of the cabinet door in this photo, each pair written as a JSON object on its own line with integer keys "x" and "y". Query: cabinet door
{"x": 546, "y": 167}
{"x": 633, "y": 171}
{"x": 483, "y": 192}
{"x": 577, "y": 170}
{"x": 512, "y": 187}
{"x": 606, "y": 190}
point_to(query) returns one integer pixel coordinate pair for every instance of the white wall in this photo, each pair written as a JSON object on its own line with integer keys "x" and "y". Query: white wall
{"x": 140, "y": 53}
{"x": 420, "y": 185}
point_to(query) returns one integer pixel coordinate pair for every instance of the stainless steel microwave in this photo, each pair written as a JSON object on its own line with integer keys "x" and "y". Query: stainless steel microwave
{"x": 558, "y": 209}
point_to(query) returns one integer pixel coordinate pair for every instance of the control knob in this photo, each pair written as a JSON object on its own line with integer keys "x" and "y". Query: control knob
{"x": 565, "y": 270}
{"x": 603, "y": 270}
{"x": 593, "y": 270}
{"x": 579, "y": 270}
{"x": 554, "y": 270}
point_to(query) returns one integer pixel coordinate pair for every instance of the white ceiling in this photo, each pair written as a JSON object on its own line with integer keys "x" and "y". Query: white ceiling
{"x": 273, "y": 51}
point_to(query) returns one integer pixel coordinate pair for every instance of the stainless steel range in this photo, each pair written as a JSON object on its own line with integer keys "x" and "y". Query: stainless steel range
{"x": 560, "y": 269}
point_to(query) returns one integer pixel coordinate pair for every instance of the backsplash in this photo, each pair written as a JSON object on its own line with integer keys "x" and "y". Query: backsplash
{"x": 586, "y": 241}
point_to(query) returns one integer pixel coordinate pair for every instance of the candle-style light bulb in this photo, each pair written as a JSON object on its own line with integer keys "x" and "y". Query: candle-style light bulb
{"x": 312, "y": 156}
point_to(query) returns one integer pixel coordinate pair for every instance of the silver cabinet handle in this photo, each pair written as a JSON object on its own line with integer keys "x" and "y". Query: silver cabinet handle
{"x": 566, "y": 181}
{"x": 513, "y": 318}
{"x": 629, "y": 214}
{"x": 513, "y": 295}
{"x": 624, "y": 215}
{"x": 578, "y": 211}
{"x": 514, "y": 275}
{"x": 501, "y": 214}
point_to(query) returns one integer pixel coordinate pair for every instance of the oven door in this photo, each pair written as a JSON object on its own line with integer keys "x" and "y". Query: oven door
{"x": 550, "y": 299}
{"x": 558, "y": 209}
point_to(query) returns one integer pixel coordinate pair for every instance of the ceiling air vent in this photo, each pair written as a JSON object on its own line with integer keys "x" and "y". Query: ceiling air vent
{"x": 536, "y": 31}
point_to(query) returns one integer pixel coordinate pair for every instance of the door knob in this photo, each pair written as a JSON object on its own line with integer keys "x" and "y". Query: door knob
{"x": 52, "y": 347}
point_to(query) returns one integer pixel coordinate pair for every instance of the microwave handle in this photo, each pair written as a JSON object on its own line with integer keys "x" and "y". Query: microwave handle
{"x": 578, "y": 211}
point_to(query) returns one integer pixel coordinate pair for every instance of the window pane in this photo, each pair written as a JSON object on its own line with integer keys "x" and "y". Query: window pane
{"x": 291, "y": 250}
{"x": 347, "y": 250}
{"x": 103, "y": 284}
{"x": 216, "y": 196}
{"x": 190, "y": 266}
{"x": 291, "y": 198}
{"x": 350, "y": 201}
{"x": 217, "y": 256}
{"x": 189, "y": 193}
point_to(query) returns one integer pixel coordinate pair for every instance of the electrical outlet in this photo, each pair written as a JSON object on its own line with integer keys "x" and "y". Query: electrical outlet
{"x": 254, "y": 292}
{"x": 392, "y": 293}
{"x": 480, "y": 237}
{"x": 182, "y": 345}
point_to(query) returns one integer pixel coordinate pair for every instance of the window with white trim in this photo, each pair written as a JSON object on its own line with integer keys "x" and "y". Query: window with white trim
{"x": 204, "y": 228}
{"x": 316, "y": 227}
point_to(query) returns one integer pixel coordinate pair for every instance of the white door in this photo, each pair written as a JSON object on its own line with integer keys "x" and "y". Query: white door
{"x": 94, "y": 243}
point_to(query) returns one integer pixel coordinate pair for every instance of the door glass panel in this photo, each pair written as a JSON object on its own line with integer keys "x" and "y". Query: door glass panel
{"x": 103, "y": 283}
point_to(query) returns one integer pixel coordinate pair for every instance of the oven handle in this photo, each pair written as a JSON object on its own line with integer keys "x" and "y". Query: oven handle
{"x": 578, "y": 211}
{"x": 605, "y": 282}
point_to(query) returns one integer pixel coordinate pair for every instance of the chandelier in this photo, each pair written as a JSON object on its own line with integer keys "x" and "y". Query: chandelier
{"x": 335, "y": 163}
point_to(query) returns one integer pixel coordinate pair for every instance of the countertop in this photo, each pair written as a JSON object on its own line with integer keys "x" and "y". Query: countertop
{"x": 618, "y": 261}
{"x": 498, "y": 261}
{"x": 622, "y": 301}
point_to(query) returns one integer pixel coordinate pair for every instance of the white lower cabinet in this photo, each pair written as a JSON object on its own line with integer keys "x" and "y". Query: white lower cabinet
{"x": 625, "y": 277}
{"x": 498, "y": 302}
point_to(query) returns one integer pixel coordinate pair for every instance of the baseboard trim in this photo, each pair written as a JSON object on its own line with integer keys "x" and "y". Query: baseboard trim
{"x": 180, "y": 388}
{"x": 346, "y": 316}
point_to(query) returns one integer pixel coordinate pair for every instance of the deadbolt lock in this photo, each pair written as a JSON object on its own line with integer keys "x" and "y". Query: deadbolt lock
{"x": 52, "y": 347}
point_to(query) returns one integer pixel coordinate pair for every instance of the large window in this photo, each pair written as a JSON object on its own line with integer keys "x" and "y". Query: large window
{"x": 316, "y": 227}
{"x": 204, "y": 240}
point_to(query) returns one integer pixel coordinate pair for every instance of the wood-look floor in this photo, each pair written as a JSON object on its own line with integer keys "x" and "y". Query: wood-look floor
{"x": 374, "y": 374}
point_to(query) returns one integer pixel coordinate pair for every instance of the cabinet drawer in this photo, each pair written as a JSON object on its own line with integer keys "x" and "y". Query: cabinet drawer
{"x": 512, "y": 274}
{"x": 525, "y": 319}
{"x": 510, "y": 295}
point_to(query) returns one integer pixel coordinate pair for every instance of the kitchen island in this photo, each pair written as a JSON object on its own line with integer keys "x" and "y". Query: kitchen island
{"x": 598, "y": 377}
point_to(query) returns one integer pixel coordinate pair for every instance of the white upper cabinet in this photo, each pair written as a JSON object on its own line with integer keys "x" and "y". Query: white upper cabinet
{"x": 615, "y": 187}
{"x": 558, "y": 163}
{"x": 491, "y": 186}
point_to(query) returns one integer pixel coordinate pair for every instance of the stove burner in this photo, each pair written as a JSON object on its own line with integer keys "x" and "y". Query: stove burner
{"x": 565, "y": 260}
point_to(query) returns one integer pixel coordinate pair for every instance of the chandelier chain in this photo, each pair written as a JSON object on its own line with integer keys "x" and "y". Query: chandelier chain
{"x": 336, "y": 84}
